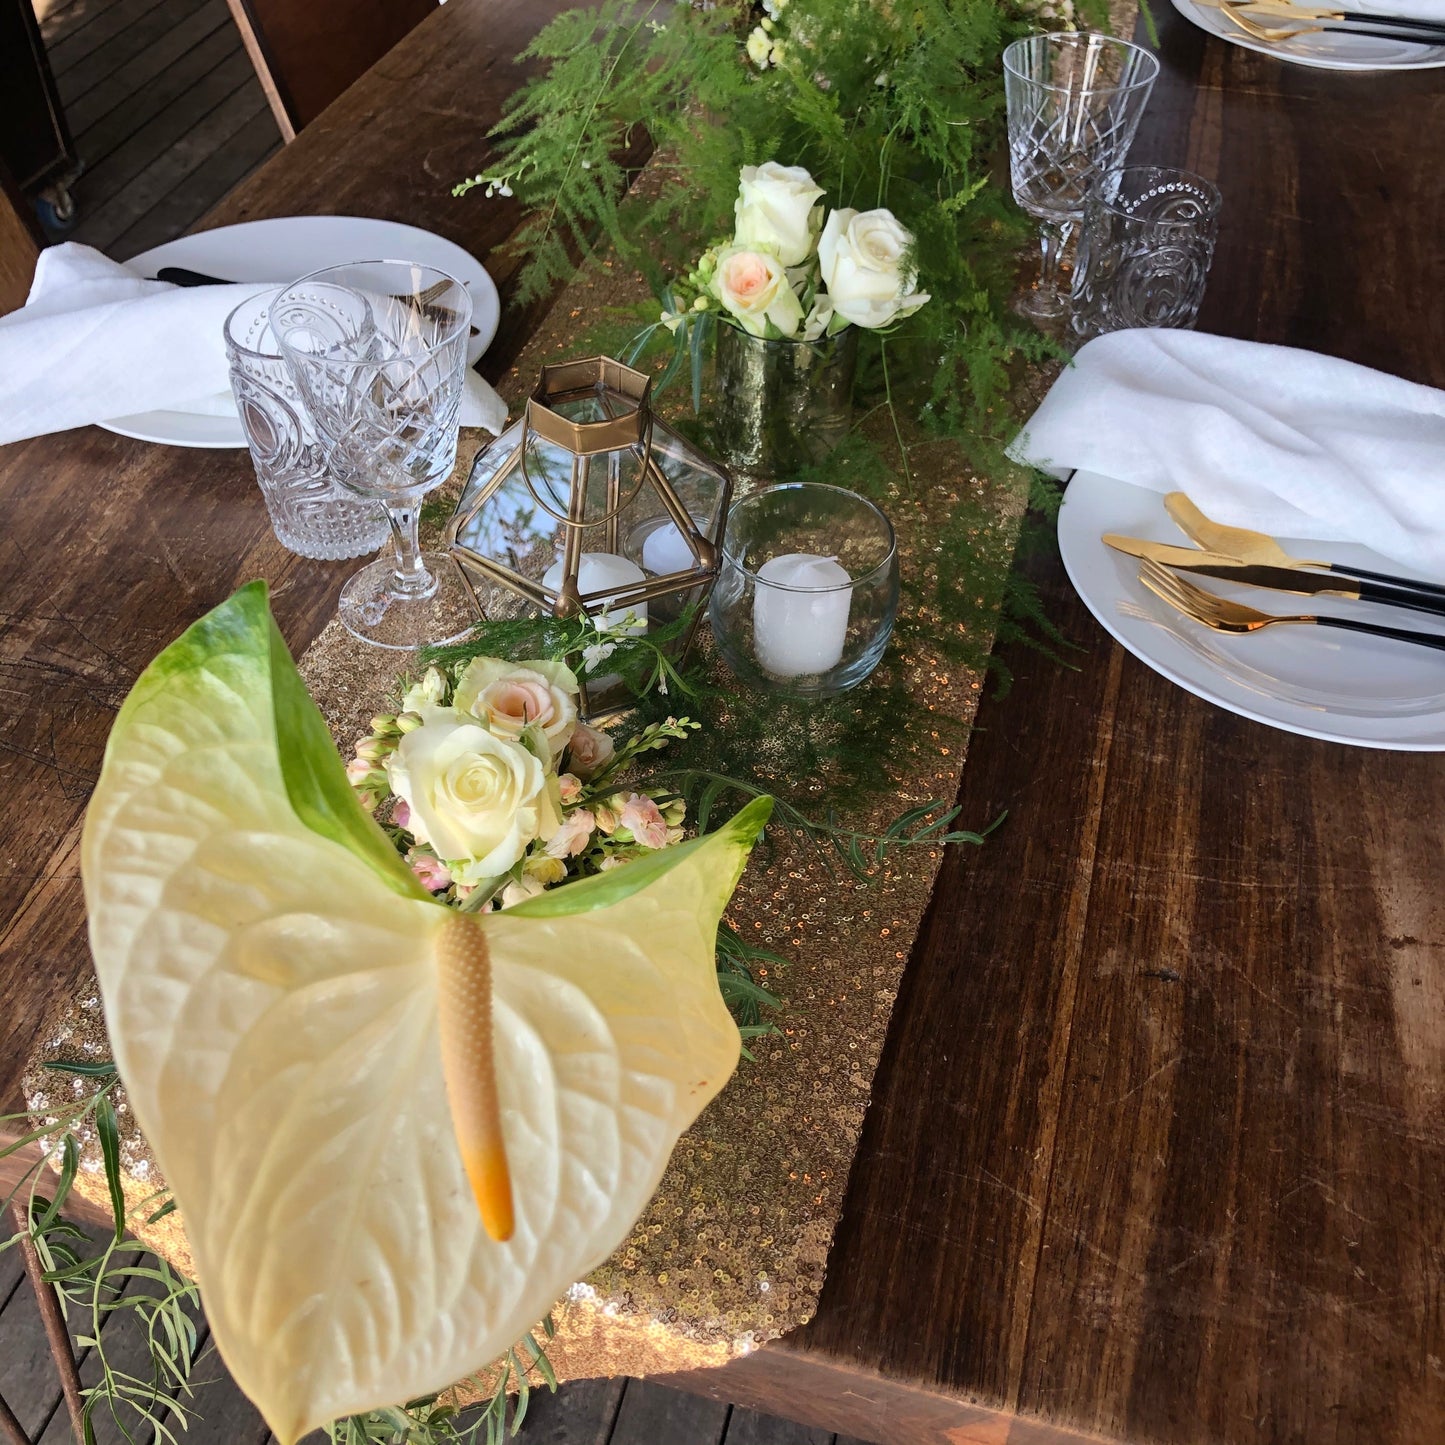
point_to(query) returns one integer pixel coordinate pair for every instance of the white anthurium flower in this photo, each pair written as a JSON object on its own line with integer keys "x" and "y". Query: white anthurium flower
{"x": 753, "y": 288}
{"x": 861, "y": 254}
{"x": 777, "y": 210}
{"x": 456, "y": 1115}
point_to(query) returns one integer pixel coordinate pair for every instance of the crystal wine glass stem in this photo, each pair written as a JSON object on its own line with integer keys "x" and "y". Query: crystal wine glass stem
{"x": 410, "y": 577}
{"x": 1053, "y": 236}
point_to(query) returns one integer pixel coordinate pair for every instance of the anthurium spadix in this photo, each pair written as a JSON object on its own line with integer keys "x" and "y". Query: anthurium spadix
{"x": 335, "y": 1072}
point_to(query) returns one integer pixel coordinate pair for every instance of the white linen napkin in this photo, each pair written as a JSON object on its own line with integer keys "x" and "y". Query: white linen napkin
{"x": 1286, "y": 442}
{"x": 95, "y": 340}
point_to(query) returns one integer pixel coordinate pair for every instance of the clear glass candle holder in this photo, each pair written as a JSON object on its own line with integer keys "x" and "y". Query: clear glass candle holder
{"x": 807, "y": 591}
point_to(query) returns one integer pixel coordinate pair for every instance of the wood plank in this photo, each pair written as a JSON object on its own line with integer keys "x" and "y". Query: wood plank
{"x": 142, "y": 201}
{"x": 162, "y": 50}
{"x": 580, "y": 1413}
{"x": 651, "y": 1414}
{"x": 121, "y": 142}
{"x": 106, "y": 29}
{"x": 143, "y": 25}
{"x": 222, "y": 1414}
{"x": 61, "y": 20}
{"x": 749, "y": 1427}
{"x": 12, "y": 1273}
{"x": 226, "y": 166}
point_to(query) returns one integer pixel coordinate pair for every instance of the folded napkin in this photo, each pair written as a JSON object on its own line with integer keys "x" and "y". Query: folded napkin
{"x": 95, "y": 341}
{"x": 1286, "y": 442}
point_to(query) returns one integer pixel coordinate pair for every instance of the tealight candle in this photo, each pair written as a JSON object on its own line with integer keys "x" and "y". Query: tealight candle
{"x": 666, "y": 551}
{"x": 799, "y": 632}
{"x": 607, "y": 573}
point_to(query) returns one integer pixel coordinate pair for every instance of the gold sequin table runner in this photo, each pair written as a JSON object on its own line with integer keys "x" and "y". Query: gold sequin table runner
{"x": 732, "y": 1250}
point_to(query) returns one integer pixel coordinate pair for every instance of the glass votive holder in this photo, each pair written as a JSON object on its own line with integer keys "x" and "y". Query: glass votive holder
{"x": 1145, "y": 246}
{"x": 807, "y": 589}
{"x": 309, "y": 513}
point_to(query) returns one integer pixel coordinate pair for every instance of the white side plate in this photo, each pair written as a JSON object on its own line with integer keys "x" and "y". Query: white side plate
{"x": 1327, "y": 51}
{"x": 1340, "y": 686}
{"x": 283, "y": 249}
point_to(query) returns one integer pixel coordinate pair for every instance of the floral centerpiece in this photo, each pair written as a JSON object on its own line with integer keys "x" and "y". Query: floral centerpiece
{"x": 493, "y": 790}
{"x": 789, "y": 287}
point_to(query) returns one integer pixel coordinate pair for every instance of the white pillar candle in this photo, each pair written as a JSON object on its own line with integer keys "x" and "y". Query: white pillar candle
{"x": 666, "y": 551}
{"x": 801, "y": 632}
{"x": 608, "y": 573}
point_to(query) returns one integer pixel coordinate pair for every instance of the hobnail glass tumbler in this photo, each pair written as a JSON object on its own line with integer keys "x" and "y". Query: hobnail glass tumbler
{"x": 1144, "y": 250}
{"x": 1074, "y": 103}
{"x": 379, "y": 351}
{"x": 807, "y": 591}
{"x": 309, "y": 513}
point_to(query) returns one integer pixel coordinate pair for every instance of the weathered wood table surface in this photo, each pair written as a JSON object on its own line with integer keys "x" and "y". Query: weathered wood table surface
{"x": 1157, "y": 1149}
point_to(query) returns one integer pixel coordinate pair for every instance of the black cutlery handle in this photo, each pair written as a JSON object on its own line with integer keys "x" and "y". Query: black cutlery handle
{"x": 1402, "y": 597}
{"x": 180, "y": 276}
{"x": 1399, "y": 634}
{"x": 1425, "y": 34}
{"x": 1404, "y": 21}
{"x": 1430, "y": 589}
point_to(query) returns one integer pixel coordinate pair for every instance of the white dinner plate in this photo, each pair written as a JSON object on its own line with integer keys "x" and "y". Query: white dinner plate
{"x": 283, "y": 249}
{"x": 1341, "y": 686}
{"x": 1327, "y": 51}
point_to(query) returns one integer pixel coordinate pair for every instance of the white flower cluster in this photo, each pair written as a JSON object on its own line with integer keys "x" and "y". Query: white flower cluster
{"x": 787, "y": 274}
{"x": 497, "y": 788}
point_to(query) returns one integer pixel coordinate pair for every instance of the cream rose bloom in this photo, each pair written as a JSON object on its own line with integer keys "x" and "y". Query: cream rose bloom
{"x": 512, "y": 696}
{"x": 477, "y": 799}
{"x": 861, "y": 258}
{"x": 776, "y": 210}
{"x": 753, "y": 287}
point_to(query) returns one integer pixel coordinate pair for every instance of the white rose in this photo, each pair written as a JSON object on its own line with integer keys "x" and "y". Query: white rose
{"x": 861, "y": 257}
{"x": 510, "y": 697}
{"x": 753, "y": 287}
{"x": 777, "y": 211}
{"x": 479, "y": 800}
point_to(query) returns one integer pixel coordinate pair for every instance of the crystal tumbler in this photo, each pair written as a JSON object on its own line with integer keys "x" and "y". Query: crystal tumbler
{"x": 807, "y": 590}
{"x": 1144, "y": 250}
{"x": 309, "y": 513}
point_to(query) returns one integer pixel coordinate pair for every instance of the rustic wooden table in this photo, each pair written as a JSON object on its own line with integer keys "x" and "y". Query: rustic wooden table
{"x": 1157, "y": 1148}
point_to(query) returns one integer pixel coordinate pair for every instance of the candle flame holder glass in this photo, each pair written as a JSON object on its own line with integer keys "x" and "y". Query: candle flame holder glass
{"x": 807, "y": 589}
{"x": 591, "y": 504}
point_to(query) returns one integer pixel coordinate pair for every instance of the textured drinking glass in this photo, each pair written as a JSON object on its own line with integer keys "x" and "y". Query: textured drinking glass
{"x": 1144, "y": 250}
{"x": 309, "y": 513}
{"x": 807, "y": 590}
{"x": 379, "y": 352}
{"x": 1074, "y": 103}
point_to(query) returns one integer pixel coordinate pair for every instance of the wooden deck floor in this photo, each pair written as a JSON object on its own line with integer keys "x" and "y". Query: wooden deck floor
{"x": 165, "y": 109}
{"x": 589, "y": 1412}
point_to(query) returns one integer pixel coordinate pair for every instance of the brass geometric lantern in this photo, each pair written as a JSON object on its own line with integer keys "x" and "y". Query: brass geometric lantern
{"x": 589, "y": 503}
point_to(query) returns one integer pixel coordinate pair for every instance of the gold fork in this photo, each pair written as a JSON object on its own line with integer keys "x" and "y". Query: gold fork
{"x": 1222, "y": 615}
